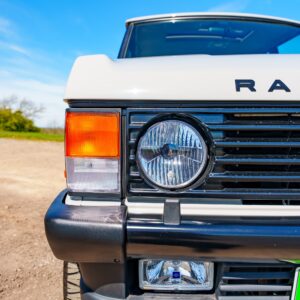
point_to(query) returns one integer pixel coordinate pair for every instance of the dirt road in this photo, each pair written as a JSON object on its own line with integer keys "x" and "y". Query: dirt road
{"x": 31, "y": 174}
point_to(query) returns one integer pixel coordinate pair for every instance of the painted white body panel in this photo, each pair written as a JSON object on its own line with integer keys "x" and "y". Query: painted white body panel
{"x": 187, "y": 77}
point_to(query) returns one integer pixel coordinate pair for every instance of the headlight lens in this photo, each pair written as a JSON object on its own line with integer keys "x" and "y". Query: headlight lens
{"x": 172, "y": 154}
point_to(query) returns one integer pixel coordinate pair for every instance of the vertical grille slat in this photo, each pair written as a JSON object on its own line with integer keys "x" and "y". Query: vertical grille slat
{"x": 256, "y": 153}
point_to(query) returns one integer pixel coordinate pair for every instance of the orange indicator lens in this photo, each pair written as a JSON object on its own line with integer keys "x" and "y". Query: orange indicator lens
{"x": 91, "y": 134}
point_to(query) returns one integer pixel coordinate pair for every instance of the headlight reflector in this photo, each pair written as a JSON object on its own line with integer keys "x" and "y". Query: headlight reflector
{"x": 172, "y": 154}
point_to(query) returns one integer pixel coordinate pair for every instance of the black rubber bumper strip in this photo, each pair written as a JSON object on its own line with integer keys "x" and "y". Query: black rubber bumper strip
{"x": 86, "y": 234}
{"x": 221, "y": 240}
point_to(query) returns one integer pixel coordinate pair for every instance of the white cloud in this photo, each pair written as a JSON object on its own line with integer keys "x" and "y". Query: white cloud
{"x": 14, "y": 48}
{"x": 231, "y": 6}
{"x": 6, "y": 27}
{"x": 18, "y": 49}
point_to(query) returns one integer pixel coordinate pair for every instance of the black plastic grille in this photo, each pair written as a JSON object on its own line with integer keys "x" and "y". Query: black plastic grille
{"x": 256, "y": 153}
{"x": 258, "y": 281}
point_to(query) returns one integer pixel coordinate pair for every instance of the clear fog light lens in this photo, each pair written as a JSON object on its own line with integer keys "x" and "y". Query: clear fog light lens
{"x": 176, "y": 275}
{"x": 172, "y": 154}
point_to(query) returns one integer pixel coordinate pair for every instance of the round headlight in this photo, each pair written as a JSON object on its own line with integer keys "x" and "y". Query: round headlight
{"x": 172, "y": 154}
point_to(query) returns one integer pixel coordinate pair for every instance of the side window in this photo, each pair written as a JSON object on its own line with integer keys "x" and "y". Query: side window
{"x": 290, "y": 47}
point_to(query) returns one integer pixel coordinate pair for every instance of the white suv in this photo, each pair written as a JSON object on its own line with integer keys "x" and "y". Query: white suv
{"x": 183, "y": 162}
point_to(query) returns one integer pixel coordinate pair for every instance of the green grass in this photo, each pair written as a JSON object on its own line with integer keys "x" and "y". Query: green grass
{"x": 38, "y": 136}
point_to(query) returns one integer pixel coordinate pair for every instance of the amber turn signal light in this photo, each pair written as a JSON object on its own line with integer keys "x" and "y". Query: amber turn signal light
{"x": 92, "y": 134}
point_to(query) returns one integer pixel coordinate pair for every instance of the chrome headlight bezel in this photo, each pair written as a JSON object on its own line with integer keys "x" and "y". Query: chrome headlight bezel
{"x": 202, "y": 171}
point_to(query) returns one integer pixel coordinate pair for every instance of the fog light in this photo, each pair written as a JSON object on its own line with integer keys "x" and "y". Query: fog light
{"x": 176, "y": 275}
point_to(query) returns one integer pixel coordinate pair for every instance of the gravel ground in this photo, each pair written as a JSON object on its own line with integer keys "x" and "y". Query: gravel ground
{"x": 31, "y": 175}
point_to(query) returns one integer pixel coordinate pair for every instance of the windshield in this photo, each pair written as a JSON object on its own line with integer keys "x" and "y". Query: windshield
{"x": 211, "y": 37}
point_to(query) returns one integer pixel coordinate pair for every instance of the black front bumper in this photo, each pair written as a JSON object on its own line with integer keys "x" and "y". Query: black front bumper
{"x": 86, "y": 234}
{"x": 103, "y": 234}
{"x": 107, "y": 244}
{"x": 215, "y": 240}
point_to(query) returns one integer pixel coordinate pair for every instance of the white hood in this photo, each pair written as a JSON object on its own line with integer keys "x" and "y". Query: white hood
{"x": 188, "y": 77}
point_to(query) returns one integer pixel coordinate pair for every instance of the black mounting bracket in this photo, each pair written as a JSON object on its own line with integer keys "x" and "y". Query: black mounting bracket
{"x": 172, "y": 214}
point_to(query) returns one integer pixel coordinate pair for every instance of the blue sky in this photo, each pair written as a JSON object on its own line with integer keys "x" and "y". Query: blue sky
{"x": 40, "y": 39}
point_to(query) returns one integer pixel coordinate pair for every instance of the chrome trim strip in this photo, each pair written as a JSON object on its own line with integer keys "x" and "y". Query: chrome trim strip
{"x": 221, "y": 210}
{"x": 208, "y": 210}
{"x": 207, "y": 15}
{"x": 79, "y": 202}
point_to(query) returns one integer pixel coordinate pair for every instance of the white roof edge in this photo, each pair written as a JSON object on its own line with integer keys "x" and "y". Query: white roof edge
{"x": 206, "y": 14}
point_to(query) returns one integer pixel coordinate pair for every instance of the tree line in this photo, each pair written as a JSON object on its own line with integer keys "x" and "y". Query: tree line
{"x": 18, "y": 114}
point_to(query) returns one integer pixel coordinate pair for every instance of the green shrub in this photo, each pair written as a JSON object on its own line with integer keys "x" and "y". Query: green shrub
{"x": 15, "y": 121}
